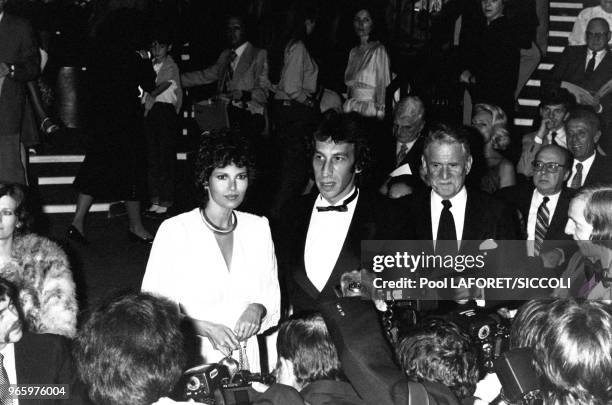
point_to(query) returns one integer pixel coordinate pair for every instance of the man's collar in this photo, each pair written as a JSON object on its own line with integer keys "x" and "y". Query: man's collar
{"x": 461, "y": 196}
{"x": 589, "y": 159}
{"x": 550, "y": 196}
{"x": 340, "y": 201}
{"x": 240, "y": 49}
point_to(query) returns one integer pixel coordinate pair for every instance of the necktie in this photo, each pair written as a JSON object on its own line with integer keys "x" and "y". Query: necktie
{"x": 541, "y": 226}
{"x": 446, "y": 231}
{"x": 590, "y": 65}
{"x": 342, "y": 207}
{"x": 4, "y": 384}
{"x": 230, "y": 71}
{"x": 577, "y": 180}
{"x": 553, "y": 135}
{"x": 401, "y": 155}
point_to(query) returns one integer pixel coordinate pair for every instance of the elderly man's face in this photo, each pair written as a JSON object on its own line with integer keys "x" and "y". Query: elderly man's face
{"x": 597, "y": 35}
{"x": 582, "y": 138}
{"x": 446, "y": 165}
{"x": 550, "y": 170}
{"x": 235, "y": 32}
{"x": 10, "y": 324}
{"x": 407, "y": 128}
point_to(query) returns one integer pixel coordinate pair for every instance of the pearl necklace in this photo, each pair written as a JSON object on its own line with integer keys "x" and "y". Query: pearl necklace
{"x": 217, "y": 229}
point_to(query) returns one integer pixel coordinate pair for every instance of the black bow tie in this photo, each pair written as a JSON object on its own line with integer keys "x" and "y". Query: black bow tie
{"x": 593, "y": 269}
{"x": 342, "y": 207}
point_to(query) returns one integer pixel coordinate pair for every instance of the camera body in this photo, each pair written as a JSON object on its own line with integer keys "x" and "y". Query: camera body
{"x": 490, "y": 333}
{"x": 212, "y": 384}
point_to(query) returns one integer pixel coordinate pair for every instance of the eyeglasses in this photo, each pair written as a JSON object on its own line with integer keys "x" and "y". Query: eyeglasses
{"x": 550, "y": 167}
{"x": 597, "y": 35}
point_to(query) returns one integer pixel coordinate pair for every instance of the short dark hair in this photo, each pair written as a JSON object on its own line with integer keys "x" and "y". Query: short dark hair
{"x": 576, "y": 352}
{"x": 18, "y": 193}
{"x": 130, "y": 350}
{"x": 305, "y": 340}
{"x": 446, "y": 134}
{"x": 219, "y": 150}
{"x": 586, "y": 114}
{"x": 345, "y": 128}
{"x": 557, "y": 96}
{"x": 438, "y": 351}
{"x": 10, "y": 290}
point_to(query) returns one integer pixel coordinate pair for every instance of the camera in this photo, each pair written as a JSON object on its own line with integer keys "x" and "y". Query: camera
{"x": 490, "y": 333}
{"x": 212, "y": 384}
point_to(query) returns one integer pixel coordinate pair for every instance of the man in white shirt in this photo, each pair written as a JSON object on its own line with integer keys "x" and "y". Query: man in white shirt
{"x": 319, "y": 237}
{"x": 589, "y": 167}
{"x": 554, "y": 110}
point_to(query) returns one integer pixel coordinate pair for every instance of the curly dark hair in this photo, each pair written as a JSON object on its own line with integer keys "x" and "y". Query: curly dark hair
{"x": 130, "y": 350}
{"x": 219, "y": 150}
{"x": 18, "y": 193}
{"x": 440, "y": 352}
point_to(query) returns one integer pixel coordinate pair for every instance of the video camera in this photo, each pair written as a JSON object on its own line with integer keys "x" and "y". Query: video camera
{"x": 212, "y": 384}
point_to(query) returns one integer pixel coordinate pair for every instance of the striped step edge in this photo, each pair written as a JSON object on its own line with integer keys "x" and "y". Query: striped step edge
{"x": 523, "y": 122}
{"x": 563, "y": 18}
{"x": 528, "y": 102}
{"x": 556, "y": 4}
{"x": 76, "y": 158}
{"x": 71, "y": 208}
{"x": 559, "y": 34}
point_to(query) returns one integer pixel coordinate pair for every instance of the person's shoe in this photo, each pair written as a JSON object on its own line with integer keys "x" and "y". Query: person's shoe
{"x": 156, "y": 212}
{"x": 136, "y": 238}
{"x": 74, "y": 234}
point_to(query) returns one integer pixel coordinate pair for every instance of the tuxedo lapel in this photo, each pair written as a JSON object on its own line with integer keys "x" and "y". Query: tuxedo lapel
{"x": 299, "y": 275}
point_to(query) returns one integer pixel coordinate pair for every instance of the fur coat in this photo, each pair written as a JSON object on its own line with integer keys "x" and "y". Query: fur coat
{"x": 40, "y": 269}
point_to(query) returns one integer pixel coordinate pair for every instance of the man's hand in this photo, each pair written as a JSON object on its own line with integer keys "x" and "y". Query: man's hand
{"x": 221, "y": 337}
{"x": 543, "y": 130}
{"x": 236, "y": 95}
{"x": 249, "y": 322}
{"x": 467, "y": 77}
{"x": 4, "y": 69}
{"x": 399, "y": 190}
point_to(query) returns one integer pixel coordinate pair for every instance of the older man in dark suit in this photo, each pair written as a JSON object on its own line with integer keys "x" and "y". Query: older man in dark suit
{"x": 543, "y": 205}
{"x": 584, "y": 70}
{"x": 319, "y": 236}
{"x": 19, "y": 63}
{"x": 589, "y": 167}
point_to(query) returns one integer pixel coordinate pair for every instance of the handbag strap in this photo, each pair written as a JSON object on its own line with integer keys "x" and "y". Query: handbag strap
{"x": 417, "y": 395}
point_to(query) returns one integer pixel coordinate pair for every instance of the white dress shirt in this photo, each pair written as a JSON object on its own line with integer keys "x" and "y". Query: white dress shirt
{"x": 532, "y": 218}
{"x": 9, "y": 365}
{"x": 458, "y": 203}
{"x": 238, "y": 51}
{"x": 326, "y": 234}
{"x": 586, "y": 166}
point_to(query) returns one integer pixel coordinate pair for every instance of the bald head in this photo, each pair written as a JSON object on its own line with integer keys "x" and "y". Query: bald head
{"x": 408, "y": 119}
{"x": 597, "y": 34}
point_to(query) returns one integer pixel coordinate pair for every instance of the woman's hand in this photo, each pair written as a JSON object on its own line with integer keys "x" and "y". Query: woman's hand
{"x": 221, "y": 337}
{"x": 249, "y": 322}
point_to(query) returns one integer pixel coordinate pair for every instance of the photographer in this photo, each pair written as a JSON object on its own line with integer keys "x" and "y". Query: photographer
{"x": 440, "y": 356}
{"x": 308, "y": 363}
{"x": 130, "y": 351}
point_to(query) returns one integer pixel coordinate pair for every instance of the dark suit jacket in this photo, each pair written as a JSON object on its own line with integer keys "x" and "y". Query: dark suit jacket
{"x": 367, "y": 358}
{"x": 600, "y": 172}
{"x": 18, "y": 47}
{"x": 322, "y": 392}
{"x": 46, "y": 359}
{"x": 485, "y": 218}
{"x": 386, "y": 162}
{"x": 571, "y": 68}
{"x": 290, "y": 240}
{"x": 520, "y": 196}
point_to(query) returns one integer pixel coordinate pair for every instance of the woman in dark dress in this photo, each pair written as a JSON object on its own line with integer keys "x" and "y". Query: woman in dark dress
{"x": 490, "y": 58}
{"x": 115, "y": 166}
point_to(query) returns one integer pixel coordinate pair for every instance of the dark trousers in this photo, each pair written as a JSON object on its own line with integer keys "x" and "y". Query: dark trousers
{"x": 161, "y": 128}
{"x": 295, "y": 124}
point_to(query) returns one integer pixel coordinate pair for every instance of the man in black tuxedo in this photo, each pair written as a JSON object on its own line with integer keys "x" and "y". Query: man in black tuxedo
{"x": 319, "y": 235}
{"x": 543, "y": 206}
{"x": 28, "y": 358}
{"x": 585, "y": 69}
{"x": 583, "y": 134}
{"x": 399, "y": 160}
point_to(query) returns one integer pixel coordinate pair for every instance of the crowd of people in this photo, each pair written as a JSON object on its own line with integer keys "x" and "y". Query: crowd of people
{"x": 278, "y": 291}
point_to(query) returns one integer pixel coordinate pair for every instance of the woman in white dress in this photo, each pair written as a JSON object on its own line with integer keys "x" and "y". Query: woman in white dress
{"x": 218, "y": 264}
{"x": 367, "y": 73}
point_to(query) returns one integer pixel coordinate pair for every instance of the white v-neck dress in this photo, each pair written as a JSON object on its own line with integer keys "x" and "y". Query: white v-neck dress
{"x": 186, "y": 266}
